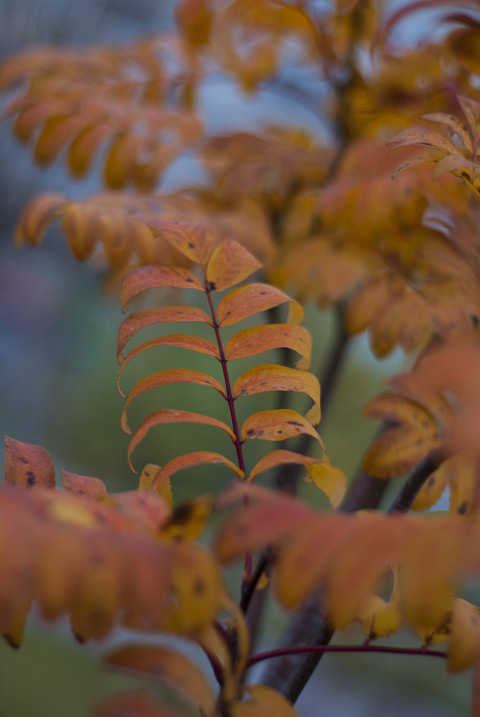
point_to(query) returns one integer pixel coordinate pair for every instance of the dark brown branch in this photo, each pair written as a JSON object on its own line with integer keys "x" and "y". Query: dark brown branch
{"x": 405, "y": 497}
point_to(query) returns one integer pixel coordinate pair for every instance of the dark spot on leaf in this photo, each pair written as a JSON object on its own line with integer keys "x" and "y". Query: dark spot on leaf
{"x": 250, "y": 432}
{"x": 13, "y": 643}
{"x": 31, "y": 480}
{"x": 23, "y": 459}
{"x": 211, "y": 286}
{"x": 295, "y": 423}
{"x": 182, "y": 514}
{"x": 462, "y": 508}
{"x": 191, "y": 245}
{"x": 198, "y": 586}
{"x": 431, "y": 482}
{"x": 189, "y": 281}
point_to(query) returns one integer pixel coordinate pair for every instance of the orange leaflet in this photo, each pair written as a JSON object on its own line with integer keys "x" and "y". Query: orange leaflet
{"x": 250, "y": 299}
{"x": 271, "y": 336}
{"x": 195, "y": 241}
{"x": 172, "y": 416}
{"x": 136, "y": 702}
{"x": 37, "y": 217}
{"x": 97, "y": 561}
{"x": 269, "y": 518}
{"x": 464, "y": 641}
{"x": 398, "y": 409}
{"x": 122, "y": 159}
{"x": 229, "y": 264}
{"x": 182, "y": 340}
{"x": 270, "y": 377}
{"x": 262, "y": 701}
{"x": 28, "y": 465}
{"x": 168, "y": 314}
{"x": 56, "y": 132}
{"x": 277, "y": 425}
{"x": 81, "y": 224}
{"x": 84, "y": 147}
{"x": 332, "y": 481}
{"x": 154, "y": 277}
{"x": 147, "y": 479}
{"x": 84, "y": 485}
{"x": 398, "y": 451}
{"x": 426, "y": 137}
{"x": 193, "y": 459}
{"x": 163, "y": 664}
{"x": 163, "y": 378}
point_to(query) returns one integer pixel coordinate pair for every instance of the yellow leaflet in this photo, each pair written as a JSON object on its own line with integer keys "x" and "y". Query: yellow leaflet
{"x": 270, "y": 377}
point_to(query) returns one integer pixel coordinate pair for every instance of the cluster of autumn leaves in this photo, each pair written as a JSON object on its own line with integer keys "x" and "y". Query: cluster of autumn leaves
{"x": 400, "y": 258}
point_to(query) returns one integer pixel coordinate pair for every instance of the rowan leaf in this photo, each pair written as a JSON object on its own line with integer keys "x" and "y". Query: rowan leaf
{"x": 57, "y": 131}
{"x": 258, "y": 339}
{"x": 377, "y": 617}
{"x": 168, "y": 314}
{"x": 188, "y": 520}
{"x": 277, "y": 425}
{"x": 259, "y": 525}
{"x": 250, "y": 299}
{"x": 84, "y": 147}
{"x": 457, "y": 165}
{"x": 464, "y": 641}
{"x": 81, "y": 225}
{"x": 172, "y": 416}
{"x": 165, "y": 665}
{"x": 397, "y": 452}
{"x": 230, "y": 264}
{"x": 427, "y": 137}
{"x": 28, "y": 465}
{"x": 37, "y": 217}
{"x": 154, "y": 277}
{"x": 332, "y": 481}
{"x": 84, "y": 485}
{"x": 195, "y": 241}
{"x": 194, "y": 459}
{"x": 270, "y": 377}
{"x": 186, "y": 341}
{"x": 147, "y": 482}
{"x": 164, "y": 378}
{"x": 455, "y": 126}
{"x": 135, "y": 703}
{"x": 262, "y": 701}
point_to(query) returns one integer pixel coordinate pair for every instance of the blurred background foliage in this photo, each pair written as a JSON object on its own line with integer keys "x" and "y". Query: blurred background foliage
{"x": 58, "y": 327}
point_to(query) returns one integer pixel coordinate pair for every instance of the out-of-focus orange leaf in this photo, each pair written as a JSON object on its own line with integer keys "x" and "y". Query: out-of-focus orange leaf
{"x": 262, "y": 701}
{"x": 464, "y": 642}
{"x": 28, "y": 465}
{"x": 250, "y": 299}
{"x": 172, "y": 416}
{"x": 260, "y": 524}
{"x": 270, "y": 377}
{"x": 271, "y": 336}
{"x": 164, "y": 378}
{"x": 154, "y": 277}
{"x": 56, "y": 132}
{"x": 37, "y": 217}
{"x": 230, "y": 264}
{"x": 194, "y": 18}
{"x": 277, "y": 425}
{"x": 195, "y": 241}
{"x": 168, "y": 314}
{"x": 137, "y": 703}
{"x": 164, "y": 664}
{"x": 81, "y": 225}
{"x": 84, "y": 485}
{"x": 400, "y": 448}
{"x": 85, "y": 146}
